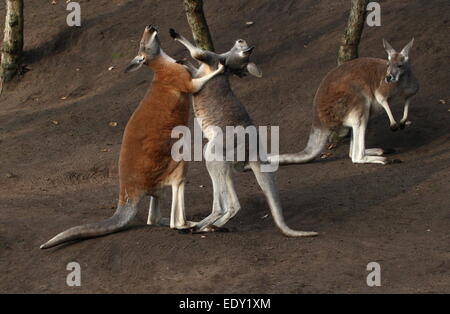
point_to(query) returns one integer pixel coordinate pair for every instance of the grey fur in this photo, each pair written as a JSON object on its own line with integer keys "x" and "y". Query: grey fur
{"x": 218, "y": 106}
{"x": 121, "y": 218}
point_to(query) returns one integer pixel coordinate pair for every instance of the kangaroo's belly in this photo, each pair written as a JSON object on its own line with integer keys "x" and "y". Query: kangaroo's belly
{"x": 218, "y": 114}
{"x": 145, "y": 156}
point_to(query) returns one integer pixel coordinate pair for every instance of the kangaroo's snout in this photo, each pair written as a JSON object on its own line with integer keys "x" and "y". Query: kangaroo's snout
{"x": 391, "y": 79}
{"x": 151, "y": 29}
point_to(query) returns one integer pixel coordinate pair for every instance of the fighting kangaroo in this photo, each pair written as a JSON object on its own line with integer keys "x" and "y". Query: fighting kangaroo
{"x": 146, "y": 164}
{"x": 349, "y": 95}
{"x": 216, "y": 106}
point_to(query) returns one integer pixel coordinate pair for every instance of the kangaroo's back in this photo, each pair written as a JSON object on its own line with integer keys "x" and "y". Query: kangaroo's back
{"x": 346, "y": 87}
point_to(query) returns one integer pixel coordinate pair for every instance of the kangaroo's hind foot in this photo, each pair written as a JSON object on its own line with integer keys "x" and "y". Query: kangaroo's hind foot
{"x": 379, "y": 151}
{"x": 206, "y": 229}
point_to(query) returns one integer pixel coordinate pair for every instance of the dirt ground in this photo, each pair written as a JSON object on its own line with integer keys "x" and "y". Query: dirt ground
{"x": 58, "y": 157}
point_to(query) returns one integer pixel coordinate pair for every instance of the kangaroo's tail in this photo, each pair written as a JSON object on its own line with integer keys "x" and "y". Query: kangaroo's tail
{"x": 121, "y": 219}
{"x": 317, "y": 141}
{"x": 267, "y": 184}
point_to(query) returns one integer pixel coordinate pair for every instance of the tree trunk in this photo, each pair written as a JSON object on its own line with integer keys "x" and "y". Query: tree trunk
{"x": 353, "y": 31}
{"x": 349, "y": 48}
{"x": 12, "y": 47}
{"x": 197, "y": 22}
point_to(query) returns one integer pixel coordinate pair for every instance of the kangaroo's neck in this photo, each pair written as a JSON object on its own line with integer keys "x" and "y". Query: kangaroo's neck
{"x": 166, "y": 57}
{"x": 159, "y": 64}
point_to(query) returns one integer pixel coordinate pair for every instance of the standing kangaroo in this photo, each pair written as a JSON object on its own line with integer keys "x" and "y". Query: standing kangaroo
{"x": 348, "y": 96}
{"x": 146, "y": 164}
{"x": 216, "y": 106}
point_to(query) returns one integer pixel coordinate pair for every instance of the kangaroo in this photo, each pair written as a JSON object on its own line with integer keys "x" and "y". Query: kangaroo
{"x": 349, "y": 95}
{"x": 145, "y": 163}
{"x": 217, "y": 106}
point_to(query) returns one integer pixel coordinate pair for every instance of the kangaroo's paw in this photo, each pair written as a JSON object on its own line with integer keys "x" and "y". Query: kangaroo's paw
{"x": 213, "y": 228}
{"x": 374, "y": 152}
{"x": 395, "y": 127}
{"x": 371, "y": 160}
{"x": 164, "y": 222}
{"x": 379, "y": 151}
{"x": 206, "y": 229}
{"x": 404, "y": 124}
{"x": 188, "y": 225}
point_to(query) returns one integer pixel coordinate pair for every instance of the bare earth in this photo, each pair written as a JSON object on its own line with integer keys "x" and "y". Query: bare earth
{"x": 59, "y": 154}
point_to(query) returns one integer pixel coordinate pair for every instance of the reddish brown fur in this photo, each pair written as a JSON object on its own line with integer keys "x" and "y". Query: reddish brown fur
{"x": 145, "y": 158}
{"x": 344, "y": 88}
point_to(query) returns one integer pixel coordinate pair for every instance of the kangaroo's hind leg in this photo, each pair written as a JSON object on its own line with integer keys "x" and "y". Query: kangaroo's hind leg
{"x": 218, "y": 172}
{"x": 154, "y": 214}
{"x": 232, "y": 201}
{"x": 370, "y": 151}
{"x": 177, "y": 212}
{"x": 358, "y": 149}
{"x": 180, "y": 215}
{"x": 177, "y": 218}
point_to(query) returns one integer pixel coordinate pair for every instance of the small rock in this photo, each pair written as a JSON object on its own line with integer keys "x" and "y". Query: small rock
{"x": 64, "y": 98}
{"x": 10, "y": 175}
{"x": 249, "y": 23}
{"x": 325, "y": 155}
{"x": 105, "y": 150}
{"x": 55, "y": 122}
{"x": 442, "y": 101}
{"x": 265, "y": 216}
{"x": 202, "y": 186}
{"x": 203, "y": 237}
{"x": 111, "y": 68}
{"x": 113, "y": 124}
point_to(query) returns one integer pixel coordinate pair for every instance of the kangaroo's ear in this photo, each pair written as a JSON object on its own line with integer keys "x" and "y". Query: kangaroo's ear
{"x": 405, "y": 51}
{"x": 387, "y": 46}
{"x": 254, "y": 70}
{"x": 135, "y": 64}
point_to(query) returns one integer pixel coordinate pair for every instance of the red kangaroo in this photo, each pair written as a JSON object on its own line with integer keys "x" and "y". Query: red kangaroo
{"x": 146, "y": 164}
{"x": 350, "y": 95}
